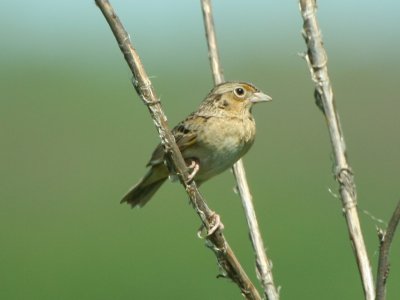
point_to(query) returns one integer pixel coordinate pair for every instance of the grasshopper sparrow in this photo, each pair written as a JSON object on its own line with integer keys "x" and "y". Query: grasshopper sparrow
{"x": 211, "y": 139}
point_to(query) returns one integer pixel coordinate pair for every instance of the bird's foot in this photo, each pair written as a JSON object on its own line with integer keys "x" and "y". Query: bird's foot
{"x": 193, "y": 167}
{"x": 215, "y": 224}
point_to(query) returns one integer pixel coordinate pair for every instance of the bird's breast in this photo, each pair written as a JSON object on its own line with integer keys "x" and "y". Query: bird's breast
{"x": 220, "y": 144}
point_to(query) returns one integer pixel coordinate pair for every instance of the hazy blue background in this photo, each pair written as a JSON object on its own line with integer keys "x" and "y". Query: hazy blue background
{"x": 74, "y": 137}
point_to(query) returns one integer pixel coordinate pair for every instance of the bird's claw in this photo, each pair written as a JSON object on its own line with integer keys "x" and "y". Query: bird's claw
{"x": 193, "y": 167}
{"x": 215, "y": 224}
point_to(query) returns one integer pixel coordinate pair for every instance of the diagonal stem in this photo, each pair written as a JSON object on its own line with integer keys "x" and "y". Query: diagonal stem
{"x": 386, "y": 239}
{"x": 316, "y": 58}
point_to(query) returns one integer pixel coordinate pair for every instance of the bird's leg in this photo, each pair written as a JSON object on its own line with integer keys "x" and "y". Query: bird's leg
{"x": 214, "y": 220}
{"x": 194, "y": 167}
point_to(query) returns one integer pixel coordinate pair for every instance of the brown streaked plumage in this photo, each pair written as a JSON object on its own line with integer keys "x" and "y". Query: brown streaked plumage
{"x": 212, "y": 138}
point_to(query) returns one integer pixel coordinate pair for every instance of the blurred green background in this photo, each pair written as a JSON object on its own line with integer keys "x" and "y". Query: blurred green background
{"x": 74, "y": 137}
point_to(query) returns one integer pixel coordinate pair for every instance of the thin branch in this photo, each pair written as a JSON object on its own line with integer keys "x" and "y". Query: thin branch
{"x": 386, "y": 239}
{"x": 216, "y": 241}
{"x": 264, "y": 269}
{"x": 316, "y": 58}
{"x": 216, "y": 68}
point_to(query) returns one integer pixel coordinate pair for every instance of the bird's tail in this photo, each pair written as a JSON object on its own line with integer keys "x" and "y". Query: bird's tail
{"x": 142, "y": 192}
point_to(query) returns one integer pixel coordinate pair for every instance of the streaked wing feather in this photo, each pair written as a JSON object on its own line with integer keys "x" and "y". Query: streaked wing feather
{"x": 185, "y": 134}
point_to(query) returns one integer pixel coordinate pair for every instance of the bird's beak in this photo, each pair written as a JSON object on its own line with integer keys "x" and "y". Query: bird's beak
{"x": 260, "y": 97}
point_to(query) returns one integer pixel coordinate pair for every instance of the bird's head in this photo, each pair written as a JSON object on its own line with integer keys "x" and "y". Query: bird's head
{"x": 235, "y": 97}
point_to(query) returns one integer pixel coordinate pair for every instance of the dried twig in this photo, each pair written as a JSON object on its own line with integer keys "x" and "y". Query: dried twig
{"x": 216, "y": 241}
{"x": 264, "y": 271}
{"x": 216, "y": 68}
{"x": 385, "y": 239}
{"x": 316, "y": 58}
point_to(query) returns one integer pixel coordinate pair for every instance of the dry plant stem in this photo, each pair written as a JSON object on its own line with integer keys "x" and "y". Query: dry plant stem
{"x": 226, "y": 259}
{"x": 386, "y": 239}
{"x": 264, "y": 271}
{"x": 216, "y": 68}
{"x": 316, "y": 58}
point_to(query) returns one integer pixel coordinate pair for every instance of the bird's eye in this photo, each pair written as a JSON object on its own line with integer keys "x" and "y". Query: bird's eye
{"x": 239, "y": 92}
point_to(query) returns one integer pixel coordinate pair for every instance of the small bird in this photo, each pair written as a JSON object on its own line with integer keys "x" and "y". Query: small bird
{"x": 210, "y": 139}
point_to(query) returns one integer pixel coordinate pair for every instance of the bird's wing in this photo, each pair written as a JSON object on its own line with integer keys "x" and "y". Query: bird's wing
{"x": 185, "y": 134}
